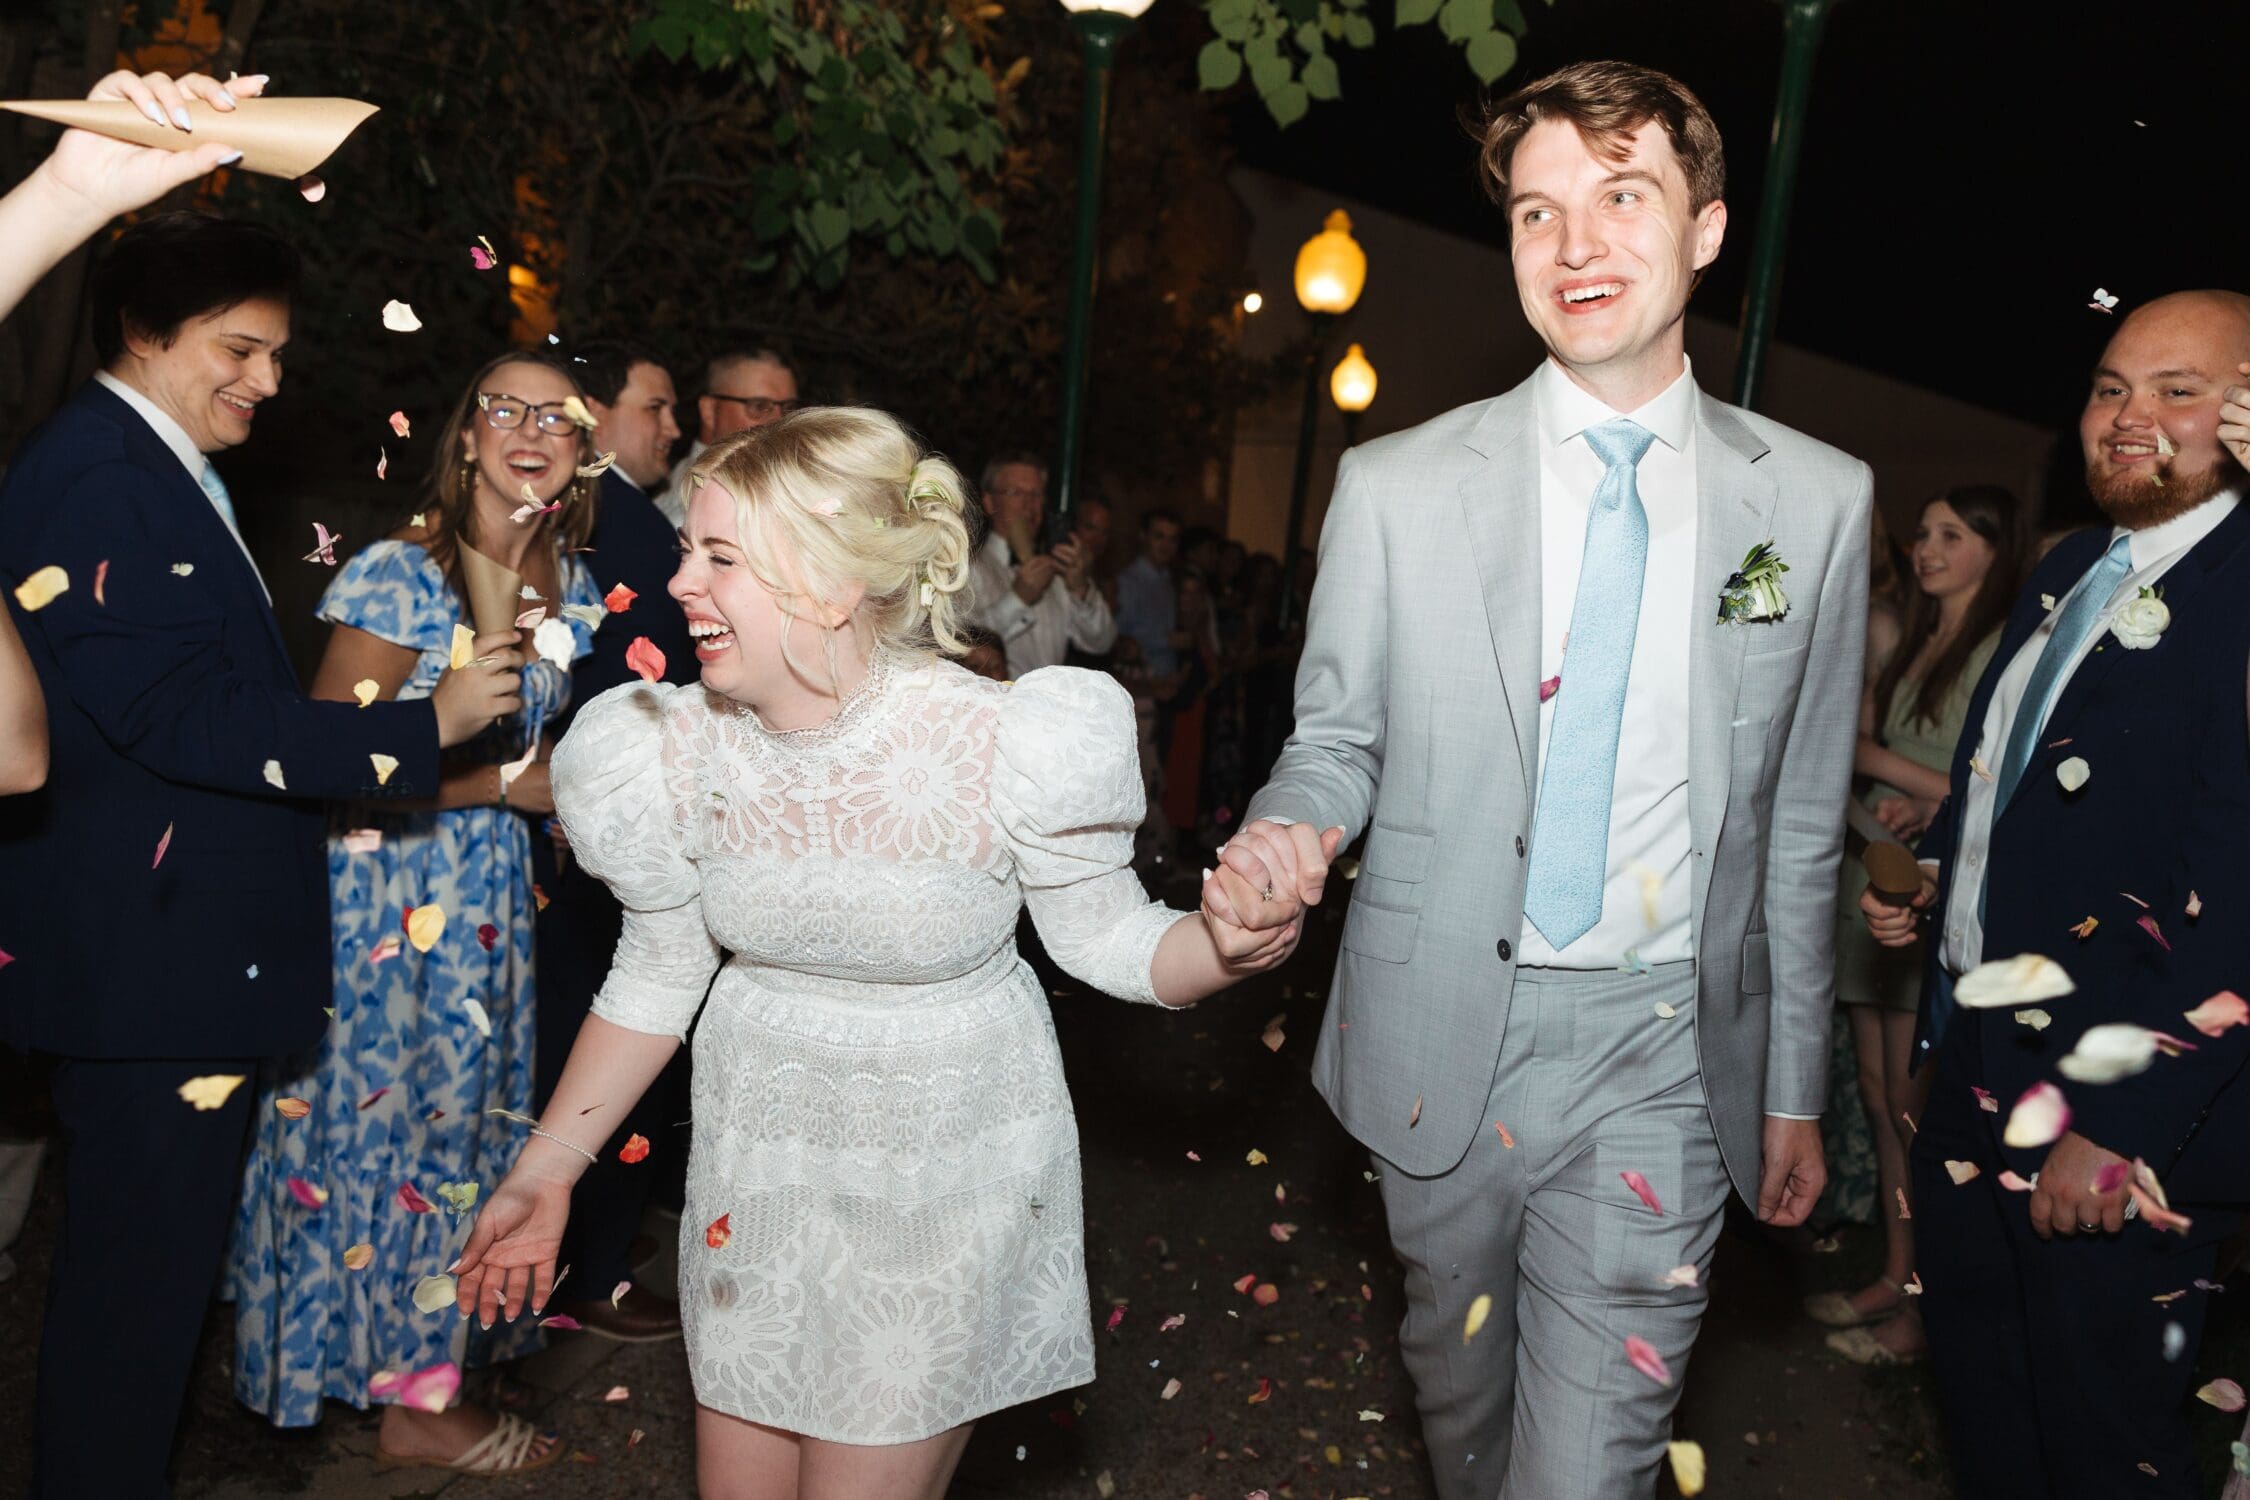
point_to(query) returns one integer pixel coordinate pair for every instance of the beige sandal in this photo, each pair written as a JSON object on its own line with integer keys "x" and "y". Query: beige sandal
{"x": 1863, "y": 1348}
{"x": 1835, "y": 1310}
{"x": 509, "y": 1448}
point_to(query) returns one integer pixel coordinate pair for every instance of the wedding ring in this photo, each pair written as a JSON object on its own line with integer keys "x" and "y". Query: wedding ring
{"x": 2089, "y": 1228}
{"x": 1268, "y": 892}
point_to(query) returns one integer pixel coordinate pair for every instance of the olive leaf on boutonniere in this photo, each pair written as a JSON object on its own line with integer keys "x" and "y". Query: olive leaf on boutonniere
{"x": 1753, "y": 596}
{"x": 2142, "y": 620}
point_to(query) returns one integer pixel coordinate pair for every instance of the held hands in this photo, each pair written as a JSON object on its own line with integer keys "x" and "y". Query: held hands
{"x": 1255, "y": 921}
{"x": 2234, "y": 418}
{"x": 114, "y": 177}
{"x": 1896, "y": 926}
{"x": 510, "y": 1259}
{"x": 2064, "y": 1202}
{"x": 1906, "y": 817}
{"x": 490, "y": 687}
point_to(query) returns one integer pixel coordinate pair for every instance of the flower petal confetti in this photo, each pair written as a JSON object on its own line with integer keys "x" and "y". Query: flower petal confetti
{"x": 2012, "y": 981}
{"x": 2224, "y": 1394}
{"x": 1642, "y": 1191}
{"x": 619, "y": 599}
{"x": 1265, "y": 1294}
{"x": 718, "y": 1234}
{"x": 2105, "y": 301}
{"x": 464, "y": 647}
{"x": 478, "y": 1017}
{"x": 564, "y": 1321}
{"x": 1682, "y": 1276}
{"x": 635, "y": 1149}
{"x": 1646, "y": 1360}
{"x": 2085, "y": 929}
{"x": 183, "y": 570}
{"x": 2112, "y": 1176}
{"x": 1688, "y": 1467}
{"x": 412, "y": 1201}
{"x": 2147, "y": 924}
{"x": 371, "y": 1098}
{"x": 2073, "y": 773}
{"x": 424, "y": 925}
{"x": 2040, "y": 1117}
{"x": 1985, "y": 1101}
{"x": 458, "y": 1196}
{"x": 1415, "y": 1118}
{"x": 575, "y": 409}
{"x": 2117, "y": 1050}
{"x": 399, "y": 318}
{"x": 42, "y": 588}
{"x": 1255, "y": 1157}
{"x": 101, "y": 577}
{"x": 2018, "y": 1184}
{"x": 273, "y": 775}
{"x": 211, "y": 1090}
{"x": 384, "y": 765}
{"x": 2215, "y": 1015}
{"x": 366, "y": 690}
{"x": 482, "y": 255}
{"x": 434, "y": 1292}
{"x": 292, "y": 1109}
{"x": 2036, "y": 1019}
{"x": 2148, "y": 1197}
{"x": 1176, "y": 1320}
{"x": 431, "y": 1390}
{"x": 382, "y": 463}
{"x": 1171, "y": 1389}
{"x": 487, "y": 936}
{"x": 324, "y": 545}
{"x": 643, "y": 657}
{"x": 556, "y": 642}
{"x": 1479, "y": 1310}
{"x": 305, "y": 1193}
{"x": 617, "y": 1293}
{"x": 1962, "y": 1172}
{"x": 386, "y": 947}
{"x": 1283, "y": 1233}
{"x": 359, "y": 1257}
{"x": 1263, "y": 1393}
{"x": 163, "y": 843}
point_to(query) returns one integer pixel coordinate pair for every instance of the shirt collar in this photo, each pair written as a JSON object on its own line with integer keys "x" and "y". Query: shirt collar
{"x": 2154, "y": 544}
{"x": 160, "y": 422}
{"x": 1566, "y": 409}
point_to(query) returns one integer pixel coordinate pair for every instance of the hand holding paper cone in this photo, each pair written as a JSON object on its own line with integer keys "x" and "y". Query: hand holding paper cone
{"x": 277, "y": 137}
{"x": 495, "y": 592}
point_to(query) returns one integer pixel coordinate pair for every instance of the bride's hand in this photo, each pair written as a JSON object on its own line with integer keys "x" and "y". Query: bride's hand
{"x": 510, "y": 1258}
{"x": 1243, "y": 949}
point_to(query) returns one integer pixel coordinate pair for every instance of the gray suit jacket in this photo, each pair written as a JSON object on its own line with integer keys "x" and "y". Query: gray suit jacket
{"x": 1418, "y": 714}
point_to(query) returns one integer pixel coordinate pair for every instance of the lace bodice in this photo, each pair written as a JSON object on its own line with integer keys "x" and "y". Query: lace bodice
{"x": 886, "y": 850}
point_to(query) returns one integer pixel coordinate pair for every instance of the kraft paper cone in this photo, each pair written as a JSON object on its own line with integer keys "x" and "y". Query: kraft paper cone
{"x": 1893, "y": 873}
{"x": 495, "y": 592}
{"x": 277, "y": 137}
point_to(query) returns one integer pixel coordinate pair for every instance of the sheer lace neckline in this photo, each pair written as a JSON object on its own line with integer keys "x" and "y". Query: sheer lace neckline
{"x": 883, "y": 668}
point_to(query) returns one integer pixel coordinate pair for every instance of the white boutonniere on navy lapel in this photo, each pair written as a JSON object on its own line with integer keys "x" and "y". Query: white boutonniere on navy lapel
{"x": 1753, "y": 596}
{"x": 2141, "y": 620}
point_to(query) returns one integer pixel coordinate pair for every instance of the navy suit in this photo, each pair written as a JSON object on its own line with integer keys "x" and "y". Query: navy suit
{"x": 2049, "y": 1354}
{"x": 167, "y": 697}
{"x": 635, "y": 545}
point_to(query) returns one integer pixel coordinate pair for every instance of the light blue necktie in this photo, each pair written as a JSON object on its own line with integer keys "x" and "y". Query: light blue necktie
{"x": 1570, "y": 836}
{"x": 2076, "y": 622}
{"x": 216, "y": 488}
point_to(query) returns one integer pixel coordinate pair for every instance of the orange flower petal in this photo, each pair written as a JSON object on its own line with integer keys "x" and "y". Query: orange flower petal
{"x": 718, "y": 1234}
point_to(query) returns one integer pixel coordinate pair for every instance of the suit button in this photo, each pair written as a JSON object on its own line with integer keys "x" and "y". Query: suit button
{"x": 1506, "y": 952}
{"x": 1519, "y": 846}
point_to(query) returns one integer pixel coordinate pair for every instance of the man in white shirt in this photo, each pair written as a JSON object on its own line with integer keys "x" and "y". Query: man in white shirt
{"x": 2098, "y": 819}
{"x": 1040, "y": 604}
{"x": 1601, "y": 759}
{"x": 743, "y": 388}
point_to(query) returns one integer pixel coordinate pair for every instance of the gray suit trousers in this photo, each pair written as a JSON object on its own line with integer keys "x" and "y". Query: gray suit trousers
{"x": 1542, "y": 1404}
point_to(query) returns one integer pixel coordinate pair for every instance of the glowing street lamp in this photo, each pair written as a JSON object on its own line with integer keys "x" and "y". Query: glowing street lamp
{"x": 1101, "y": 25}
{"x": 1331, "y": 272}
{"x": 1352, "y": 382}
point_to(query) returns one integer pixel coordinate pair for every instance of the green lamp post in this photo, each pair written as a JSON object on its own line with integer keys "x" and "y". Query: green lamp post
{"x": 1331, "y": 271}
{"x": 1802, "y": 23}
{"x": 1101, "y": 25}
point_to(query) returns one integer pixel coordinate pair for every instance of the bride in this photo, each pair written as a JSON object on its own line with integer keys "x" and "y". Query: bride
{"x": 882, "y": 1240}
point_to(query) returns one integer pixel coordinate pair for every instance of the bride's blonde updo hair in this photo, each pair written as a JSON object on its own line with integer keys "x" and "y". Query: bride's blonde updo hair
{"x": 831, "y": 497}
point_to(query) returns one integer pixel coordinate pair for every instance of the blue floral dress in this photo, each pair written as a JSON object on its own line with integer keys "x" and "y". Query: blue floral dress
{"x": 399, "y": 1088}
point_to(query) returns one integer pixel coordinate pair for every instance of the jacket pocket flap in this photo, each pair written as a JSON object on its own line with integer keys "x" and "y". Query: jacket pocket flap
{"x": 1401, "y": 854}
{"x": 1380, "y": 932}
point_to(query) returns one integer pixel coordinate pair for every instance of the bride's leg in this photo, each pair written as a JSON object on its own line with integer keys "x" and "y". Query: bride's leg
{"x": 738, "y": 1460}
{"x": 906, "y": 1471}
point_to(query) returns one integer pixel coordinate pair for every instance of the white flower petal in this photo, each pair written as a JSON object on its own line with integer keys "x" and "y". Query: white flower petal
{"x": 2016, "y": 981}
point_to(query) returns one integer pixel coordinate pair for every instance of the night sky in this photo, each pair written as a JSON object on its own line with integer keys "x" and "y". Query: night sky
{"x": 1971, "y": 167}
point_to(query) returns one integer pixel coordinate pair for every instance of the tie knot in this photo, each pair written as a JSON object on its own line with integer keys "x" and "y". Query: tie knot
{"x": 2120, "y": 553}
{"x": 1619, "y": 444}
{"x": 214, "y": 486}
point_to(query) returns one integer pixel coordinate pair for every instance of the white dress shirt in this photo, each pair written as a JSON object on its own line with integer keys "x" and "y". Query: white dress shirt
{"x": 1645, "y": 899}
{"x": 2155, "y": 549}
{"x": 183, "y": 448}
{"x": 673, "y": 501}
{"x": 1035, "y": 635}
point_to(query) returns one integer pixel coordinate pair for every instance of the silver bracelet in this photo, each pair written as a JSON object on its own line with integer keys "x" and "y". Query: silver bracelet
{"x": 558, "y": 1140}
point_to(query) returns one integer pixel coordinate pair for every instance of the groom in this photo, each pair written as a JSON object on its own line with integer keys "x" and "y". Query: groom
{"x": 1586, "y": 972}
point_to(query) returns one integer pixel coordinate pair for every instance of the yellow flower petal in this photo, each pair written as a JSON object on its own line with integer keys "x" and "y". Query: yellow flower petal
{"x": 365, "y": 690}
{"x": 1687, "y": 1467}
{"x": 1479, "y": 1310}
{"x": 424, "y": 927}
{"x": 384, "y": 765}
{"x": 464, "y": 645}
{"x": 432, "y": 1293}
{"x": 211, "y": 1090}
{"x": 359, "y": 1257}
{"x": 42, "y": 588}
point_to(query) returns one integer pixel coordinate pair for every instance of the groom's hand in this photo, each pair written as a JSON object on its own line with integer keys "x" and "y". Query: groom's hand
{"x": 1795, "y": 1172}
{"x": 1285, "y": 866}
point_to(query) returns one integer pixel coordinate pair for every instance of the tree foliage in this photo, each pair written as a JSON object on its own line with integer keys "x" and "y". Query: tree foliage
{"x": 1287, "y": 49}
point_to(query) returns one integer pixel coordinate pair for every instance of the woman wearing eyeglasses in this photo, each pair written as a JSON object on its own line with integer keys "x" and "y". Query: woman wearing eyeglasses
{"x": 433, "y": 1022}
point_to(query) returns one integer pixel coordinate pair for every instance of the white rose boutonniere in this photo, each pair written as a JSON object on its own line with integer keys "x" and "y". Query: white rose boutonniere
{"x": 1753, "y": 595}
{"x": 2141, "y": 621}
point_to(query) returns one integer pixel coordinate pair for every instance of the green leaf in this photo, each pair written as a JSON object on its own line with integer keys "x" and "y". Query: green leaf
{"x": 1491, "y": 55}
{"x": 1463, "y": 19}
{"x": 831, "y": 225}
{"x": 944, "y": 141}
{"x": 1231, "y": 18}
{"x": 1510, "y": 16}
{"x": 1309, "y": 39}
{"x": 1359, "y": 31}
{"x": 981, "y": 232}
{"x": 1269, "y": 74}
{"x": 1288, "y": 104}
{"x": 1218, "y": 66}
{"x": 1321, "y": 80}
{"x": 1415, "y": 12}
{"x": 1300, "y": 10}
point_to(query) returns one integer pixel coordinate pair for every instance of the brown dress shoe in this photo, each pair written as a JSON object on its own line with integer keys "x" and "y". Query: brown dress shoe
{"x": 638, "y": 1318}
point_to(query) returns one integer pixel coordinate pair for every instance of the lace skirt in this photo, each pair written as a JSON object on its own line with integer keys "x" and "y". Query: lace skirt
{"x": 883, "y": 1235}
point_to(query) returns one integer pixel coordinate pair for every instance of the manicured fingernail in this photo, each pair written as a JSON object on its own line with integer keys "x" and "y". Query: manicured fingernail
{"x": 230, "y": 158}
{"x": 226, "y": 98}
{"x": 148, "y": 107}
{"x": 456, "y": 1259}
{"x": 180, "y": 117}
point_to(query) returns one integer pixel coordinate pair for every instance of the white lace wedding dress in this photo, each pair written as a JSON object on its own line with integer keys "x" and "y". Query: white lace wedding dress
{"x": 880, "y": 1119}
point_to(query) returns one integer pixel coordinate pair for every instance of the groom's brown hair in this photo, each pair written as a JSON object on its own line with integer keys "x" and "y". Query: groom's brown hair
{"x": 1607, "y": 102}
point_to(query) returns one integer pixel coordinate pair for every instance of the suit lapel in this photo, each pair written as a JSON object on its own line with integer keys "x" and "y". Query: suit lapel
{"x": 1500, "y": 516}
{"x": 1734, "y": 503}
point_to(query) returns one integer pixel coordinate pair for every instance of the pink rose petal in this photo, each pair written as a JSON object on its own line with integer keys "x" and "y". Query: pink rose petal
{"x": 2039, "y": 1118}
{"x": 305, "y": 1193}
{"x": 2112, "y": 1176}
{"x": 481, "y": 258}
{"x": 2224, "y": 1394}
{"x": 2014, "y": 1183}
{"x": 1116, "y": 1316}
{"x": 413, "y": 1202}
{"x": 1172, "y": 1322}
{"x": 1646, "y": 1360}
{"x": 564, "y": 1321}
{"x": 1985, "y": 1101}
{"x": 384, "y": 1383}
{"x": 431, "y": 1390}
{"x": 1642, "y": 1190}
{"x": 643, "y": 657}
{"x": 2221, "y": 1011}
{"x": 162, "y": 844}
{"x": 1550, "y": 687}
{"x": 2148, "y": 925}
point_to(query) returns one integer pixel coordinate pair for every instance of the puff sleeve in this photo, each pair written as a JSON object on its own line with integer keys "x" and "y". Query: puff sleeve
{"x": 1066, "y": 789}
{"x": 609, "y": 780}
